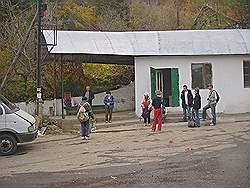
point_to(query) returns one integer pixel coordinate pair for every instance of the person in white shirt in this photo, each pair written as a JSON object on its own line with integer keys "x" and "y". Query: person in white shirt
{"x": 187, "y": 103}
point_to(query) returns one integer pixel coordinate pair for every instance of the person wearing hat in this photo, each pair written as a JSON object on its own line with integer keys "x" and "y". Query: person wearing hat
{"x": 157, "y": 105}
{"x": 83, "y": 115}
{"x": 109, "y": 102}
{"x": 146, "y": 109}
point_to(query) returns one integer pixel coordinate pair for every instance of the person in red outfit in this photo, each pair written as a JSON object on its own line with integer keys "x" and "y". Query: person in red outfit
{"x": 146, "y": 109}
{"x": 157, "y": 105}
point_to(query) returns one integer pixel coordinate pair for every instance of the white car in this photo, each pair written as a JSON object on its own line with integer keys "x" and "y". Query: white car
{"x": 16, "y": 126}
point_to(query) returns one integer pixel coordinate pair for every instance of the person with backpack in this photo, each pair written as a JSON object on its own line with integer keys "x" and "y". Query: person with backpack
{"x": 213, "y": 99}
{"x": 146, "y": 109}
{"x": 109, "y": 102}
{"x": 157, "y": 105}
{"x": 196, "y": 107}
{"x": 187, "y": 103}
{"x": 83, "y": 115}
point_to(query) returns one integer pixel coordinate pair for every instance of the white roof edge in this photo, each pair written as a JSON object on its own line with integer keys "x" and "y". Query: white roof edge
{"x": 152, "y": 43}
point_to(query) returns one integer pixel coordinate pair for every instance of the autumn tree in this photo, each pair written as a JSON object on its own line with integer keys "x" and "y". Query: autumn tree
{"x": 21, "y": 78}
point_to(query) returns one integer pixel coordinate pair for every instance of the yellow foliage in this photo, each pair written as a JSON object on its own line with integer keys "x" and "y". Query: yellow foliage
{"x": 75, "y": 15}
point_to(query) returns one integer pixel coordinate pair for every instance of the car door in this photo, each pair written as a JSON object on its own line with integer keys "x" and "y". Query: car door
{"x": 2, "y": 117}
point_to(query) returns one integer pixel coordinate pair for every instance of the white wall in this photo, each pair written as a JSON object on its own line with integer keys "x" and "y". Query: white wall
{"x": 227, "y": 78}
{"x": 124, "y": 100}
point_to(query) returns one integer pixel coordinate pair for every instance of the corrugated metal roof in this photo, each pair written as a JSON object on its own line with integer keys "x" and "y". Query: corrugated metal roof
{"x": 140, "y": 43}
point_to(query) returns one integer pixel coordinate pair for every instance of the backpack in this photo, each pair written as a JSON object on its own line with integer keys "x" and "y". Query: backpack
{"x": 82, "y": 115}
{"x": 217, "y": 96}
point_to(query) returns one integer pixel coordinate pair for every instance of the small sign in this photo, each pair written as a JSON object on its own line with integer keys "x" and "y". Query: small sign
{"x": 39, "y": 95}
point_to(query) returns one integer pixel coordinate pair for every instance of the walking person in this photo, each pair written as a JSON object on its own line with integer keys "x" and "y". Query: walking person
{"x": 187, "y": 103}
{"x": 196, "y": 106}
{"x": 146, "y": 109}
{"x": 89, "y": 95}
{"x": 213, "y": 99}
{"x": 83, "y": 115}
{"x": 109, "y": 102}
{"x": 157, "y": 106}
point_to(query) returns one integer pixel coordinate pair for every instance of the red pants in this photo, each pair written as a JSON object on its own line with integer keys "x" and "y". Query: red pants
{"x": 157, "y": 119}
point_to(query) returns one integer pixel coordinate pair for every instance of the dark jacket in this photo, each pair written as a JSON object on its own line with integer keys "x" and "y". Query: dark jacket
{"x": 197, "y": 101}
{"x": 190, "y": 99}
{"x": 157, "y": 102}
{"x": 91, "y": 96}
{"x": 109, "y": 101}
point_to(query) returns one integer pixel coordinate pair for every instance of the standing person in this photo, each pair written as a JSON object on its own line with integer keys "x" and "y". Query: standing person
{"x": 146, "y": 109}
{"x": 83, "y": 115}
{"x": 89, "y": 95}
{"x": 187, "y": 103}
{"x": 213, "y": 99}
{"x": 109, "y": 102}
{"x": 197, "y": 106}
{"x": 157, "y": 105}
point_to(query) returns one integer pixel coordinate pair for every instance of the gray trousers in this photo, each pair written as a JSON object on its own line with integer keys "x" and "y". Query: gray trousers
{"x": 187, "y": 113}
{"x": 213, "y": 112}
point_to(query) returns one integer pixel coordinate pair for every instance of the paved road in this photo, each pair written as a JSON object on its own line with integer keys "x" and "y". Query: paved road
{"x": 177, "y": 157}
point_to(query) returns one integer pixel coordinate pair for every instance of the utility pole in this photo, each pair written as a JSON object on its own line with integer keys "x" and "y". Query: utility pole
{"x": 39, "y": 63}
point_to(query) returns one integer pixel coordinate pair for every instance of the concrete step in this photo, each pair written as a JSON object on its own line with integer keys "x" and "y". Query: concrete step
{"x": 103, "y": 125}
{"x": 117, "y": 116}
{"x": 118, "y": 123}
{"x": 174, "y": 114}
{"x": 119, "y": 119}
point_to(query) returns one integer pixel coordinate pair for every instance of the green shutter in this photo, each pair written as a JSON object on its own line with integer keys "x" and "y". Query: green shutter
{"x": 153, "y": 81}
{"x": 175, "y": 87}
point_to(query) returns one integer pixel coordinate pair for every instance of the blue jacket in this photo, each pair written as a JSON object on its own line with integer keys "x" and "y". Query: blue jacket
{"x": 109, "y": 101}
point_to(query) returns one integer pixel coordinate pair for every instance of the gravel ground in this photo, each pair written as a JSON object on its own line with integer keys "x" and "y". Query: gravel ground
{"x": 176, "y": 157}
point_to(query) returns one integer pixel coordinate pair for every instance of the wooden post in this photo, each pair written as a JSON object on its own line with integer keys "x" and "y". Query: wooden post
{"x": 62, "y": 89}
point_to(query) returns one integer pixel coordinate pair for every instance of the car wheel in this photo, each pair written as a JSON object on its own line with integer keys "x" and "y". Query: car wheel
{"x": 8, "y": 144}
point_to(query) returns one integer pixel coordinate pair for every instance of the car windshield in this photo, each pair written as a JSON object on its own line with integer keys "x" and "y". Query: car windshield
{"x": 7, "y": 103}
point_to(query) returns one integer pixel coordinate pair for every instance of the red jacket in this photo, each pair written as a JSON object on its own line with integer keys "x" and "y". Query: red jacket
{"x": 146, "y": 103}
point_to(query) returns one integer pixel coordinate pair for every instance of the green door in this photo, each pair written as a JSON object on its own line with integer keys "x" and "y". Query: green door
{"x": 175, "y": 87}
{"x": 153, "y": 81}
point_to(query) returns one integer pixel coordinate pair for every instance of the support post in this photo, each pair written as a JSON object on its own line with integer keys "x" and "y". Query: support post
{"x": 39, "y": 64}
{"x": 62, "y": 89}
